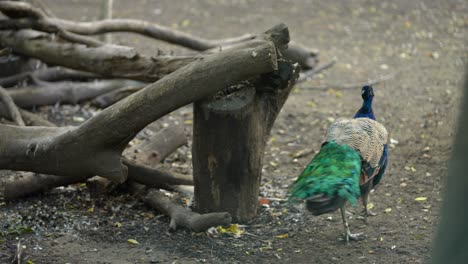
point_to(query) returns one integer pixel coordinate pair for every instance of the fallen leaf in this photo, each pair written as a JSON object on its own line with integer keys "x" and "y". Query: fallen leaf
{"x": 283, "y": 236}
{"x": 133, "y": 241}
{"x": 370, "y": 205}
{"x": 118, "y": 224}
{"x": 263, "y": 201}
{"x": 420, "y": 199}
{"x": 185, "y": 23}
{"x": 90, "y": 210}
{"x": 388, "y": 210}
{"x": 233, "y": 229}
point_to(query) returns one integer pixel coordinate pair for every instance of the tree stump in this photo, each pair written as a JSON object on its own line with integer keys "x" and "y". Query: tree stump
{"x": 229, "y": 136}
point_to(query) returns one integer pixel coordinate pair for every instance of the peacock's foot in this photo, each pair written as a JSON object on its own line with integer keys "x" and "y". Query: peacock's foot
{"x": 353, "y": 237}
{"x": 366, "y": 213}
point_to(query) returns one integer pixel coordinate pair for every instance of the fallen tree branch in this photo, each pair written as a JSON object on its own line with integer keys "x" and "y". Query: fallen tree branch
{"x": 65, "y": 92}
{"x": 154, "y": 177}
{"x": 41, "y": 22}
{"x": 45, "y": 9}
{"x": 147, "y": 29}
{"x": 38, "y": 20}
{"x": 32, "y": 119}
{"x": 95, "y": 147}
{"x": 108, "y": 60}
{"x": 181, "y": 216}
{"x": 11, "y": 109}
{"x": 307, "y": 58}
{"x": 29, "y": 183}
{"x": 152, "y": 151}
{"x": 304, "y": 76}
{"x": 106, "y": 13}
{"x": 50, "y": 74}
{"x": 5, "y": 52}
{"x": 148, "y": 152}
{"x": 112, "y": 97}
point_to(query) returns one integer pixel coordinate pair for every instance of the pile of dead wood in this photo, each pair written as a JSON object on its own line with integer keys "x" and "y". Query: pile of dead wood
{"x": 45, "y": 60}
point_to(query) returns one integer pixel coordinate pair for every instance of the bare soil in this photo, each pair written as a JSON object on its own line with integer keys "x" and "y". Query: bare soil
{"x": 423, "y": 41}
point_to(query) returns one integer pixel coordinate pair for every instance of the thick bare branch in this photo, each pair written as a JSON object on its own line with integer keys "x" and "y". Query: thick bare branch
{"x": 112, "y": 97}
{"x": 29, "y": 183}
{"x": 95, "y": 147}
{"x": 11, "y": 109}
{"x": 181, "y": 216}
{"x": 37, "y": 19}
{"x": 307, "y": 58}
{"x": 108, "y": 60}
{"x": 65, "y": 92}
{"x": 151, "y": 152}
{"x": 155, "y": 177}
{"x": 15, "y": 9}
{"x": 32, "y": 119}
{"x": 48, "y": 74}
{"x": 29, "y": 118}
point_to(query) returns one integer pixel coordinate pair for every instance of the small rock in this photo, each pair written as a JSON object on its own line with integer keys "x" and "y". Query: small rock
{"x": 384, "y": 67}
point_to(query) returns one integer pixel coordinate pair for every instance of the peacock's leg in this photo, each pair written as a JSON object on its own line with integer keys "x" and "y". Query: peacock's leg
{"x": 365, "y": 199}
{"x": 348, "y": 234}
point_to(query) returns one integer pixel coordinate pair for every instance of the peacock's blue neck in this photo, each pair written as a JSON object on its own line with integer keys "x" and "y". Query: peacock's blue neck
{"x": 366, "y": 110}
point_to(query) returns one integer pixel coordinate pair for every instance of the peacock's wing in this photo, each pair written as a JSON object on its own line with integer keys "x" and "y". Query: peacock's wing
{"x": 369, "y": 139}
{"x": 365, "y": 135}
{"x": 383, "y": 165}
{"x": 334, "y": 171}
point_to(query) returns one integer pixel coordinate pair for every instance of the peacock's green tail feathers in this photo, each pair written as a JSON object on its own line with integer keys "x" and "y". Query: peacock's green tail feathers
{"x": 335, "y": 170}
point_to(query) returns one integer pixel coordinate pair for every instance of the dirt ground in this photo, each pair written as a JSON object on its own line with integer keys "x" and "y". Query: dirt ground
{"x": 423, "y": 41}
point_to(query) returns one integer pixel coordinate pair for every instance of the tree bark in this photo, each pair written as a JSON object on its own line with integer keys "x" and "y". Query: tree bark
{"x": 95, "y": 147}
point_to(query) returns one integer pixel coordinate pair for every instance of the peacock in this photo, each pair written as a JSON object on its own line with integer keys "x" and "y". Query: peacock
{"x": 350, "y": 163}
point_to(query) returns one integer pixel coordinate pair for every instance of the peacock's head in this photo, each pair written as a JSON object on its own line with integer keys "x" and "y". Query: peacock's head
{"x": 367, "y": 92}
